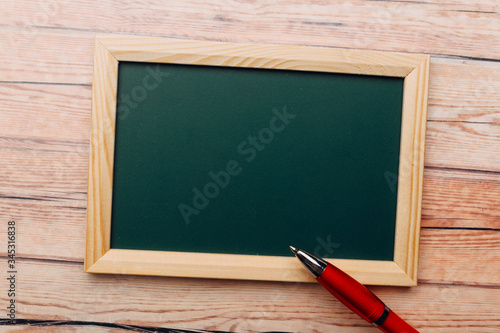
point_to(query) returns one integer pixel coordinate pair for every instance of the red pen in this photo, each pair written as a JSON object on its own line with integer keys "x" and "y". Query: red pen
{"x": 353, "y": 294}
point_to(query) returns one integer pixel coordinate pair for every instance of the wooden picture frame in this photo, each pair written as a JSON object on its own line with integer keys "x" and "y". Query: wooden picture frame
{"x": 109, "y": 51}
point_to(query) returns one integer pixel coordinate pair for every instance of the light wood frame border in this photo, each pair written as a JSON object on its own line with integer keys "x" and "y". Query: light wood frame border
{"x": 110, "y": 50}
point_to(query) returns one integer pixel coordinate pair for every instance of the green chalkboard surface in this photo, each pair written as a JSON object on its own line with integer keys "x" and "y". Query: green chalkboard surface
{"x": 250, "y": 161}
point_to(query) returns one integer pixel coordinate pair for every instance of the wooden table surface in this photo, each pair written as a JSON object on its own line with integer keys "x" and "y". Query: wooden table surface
{"x": 45, "y": 94}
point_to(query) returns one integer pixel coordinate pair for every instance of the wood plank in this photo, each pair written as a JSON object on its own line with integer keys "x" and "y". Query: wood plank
{"x": 461, "y": 199}
{"x": 24, "y": 170}
{"x": 460, "y": 257}
{"x": 459, "y": 27}
{"x": 40, "y": 115}
{"x": 464, "y": 90}
{"x": 48, "y": 227}
{"x": 67, "y": 60}
{"x": 463, "y": 145}
{"x": 53, "y": 291}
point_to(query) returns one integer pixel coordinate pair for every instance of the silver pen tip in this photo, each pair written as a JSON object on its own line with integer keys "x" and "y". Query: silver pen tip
{"x": 294, "y": 250}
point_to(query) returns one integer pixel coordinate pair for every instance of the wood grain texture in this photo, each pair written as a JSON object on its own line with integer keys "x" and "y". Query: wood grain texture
{"x": 464, "y": 90}
{"x": 410, "y": 175}
{"x": 288, "y": 57}
{"x": 67, "y": 60}
{"x": 242, "y": 267}
{"x": 44, "y": 117}
{"x": 101, "y": 155}
{"x": 44, "y": 147}
{"x": 450, "y": 28}
{"x": 467, "y": 257}
{"x": 461, "y": 199}
{"x": 463, "y": 145}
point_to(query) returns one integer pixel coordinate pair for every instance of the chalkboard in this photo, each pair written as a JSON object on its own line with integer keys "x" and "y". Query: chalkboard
{"x": 244, "y": 161}
{"x": 270, "y": 158}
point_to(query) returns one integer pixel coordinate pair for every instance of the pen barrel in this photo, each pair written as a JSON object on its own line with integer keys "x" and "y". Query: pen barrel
{"x": 352, "y": 293}
{"x": 394, "y": 323}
